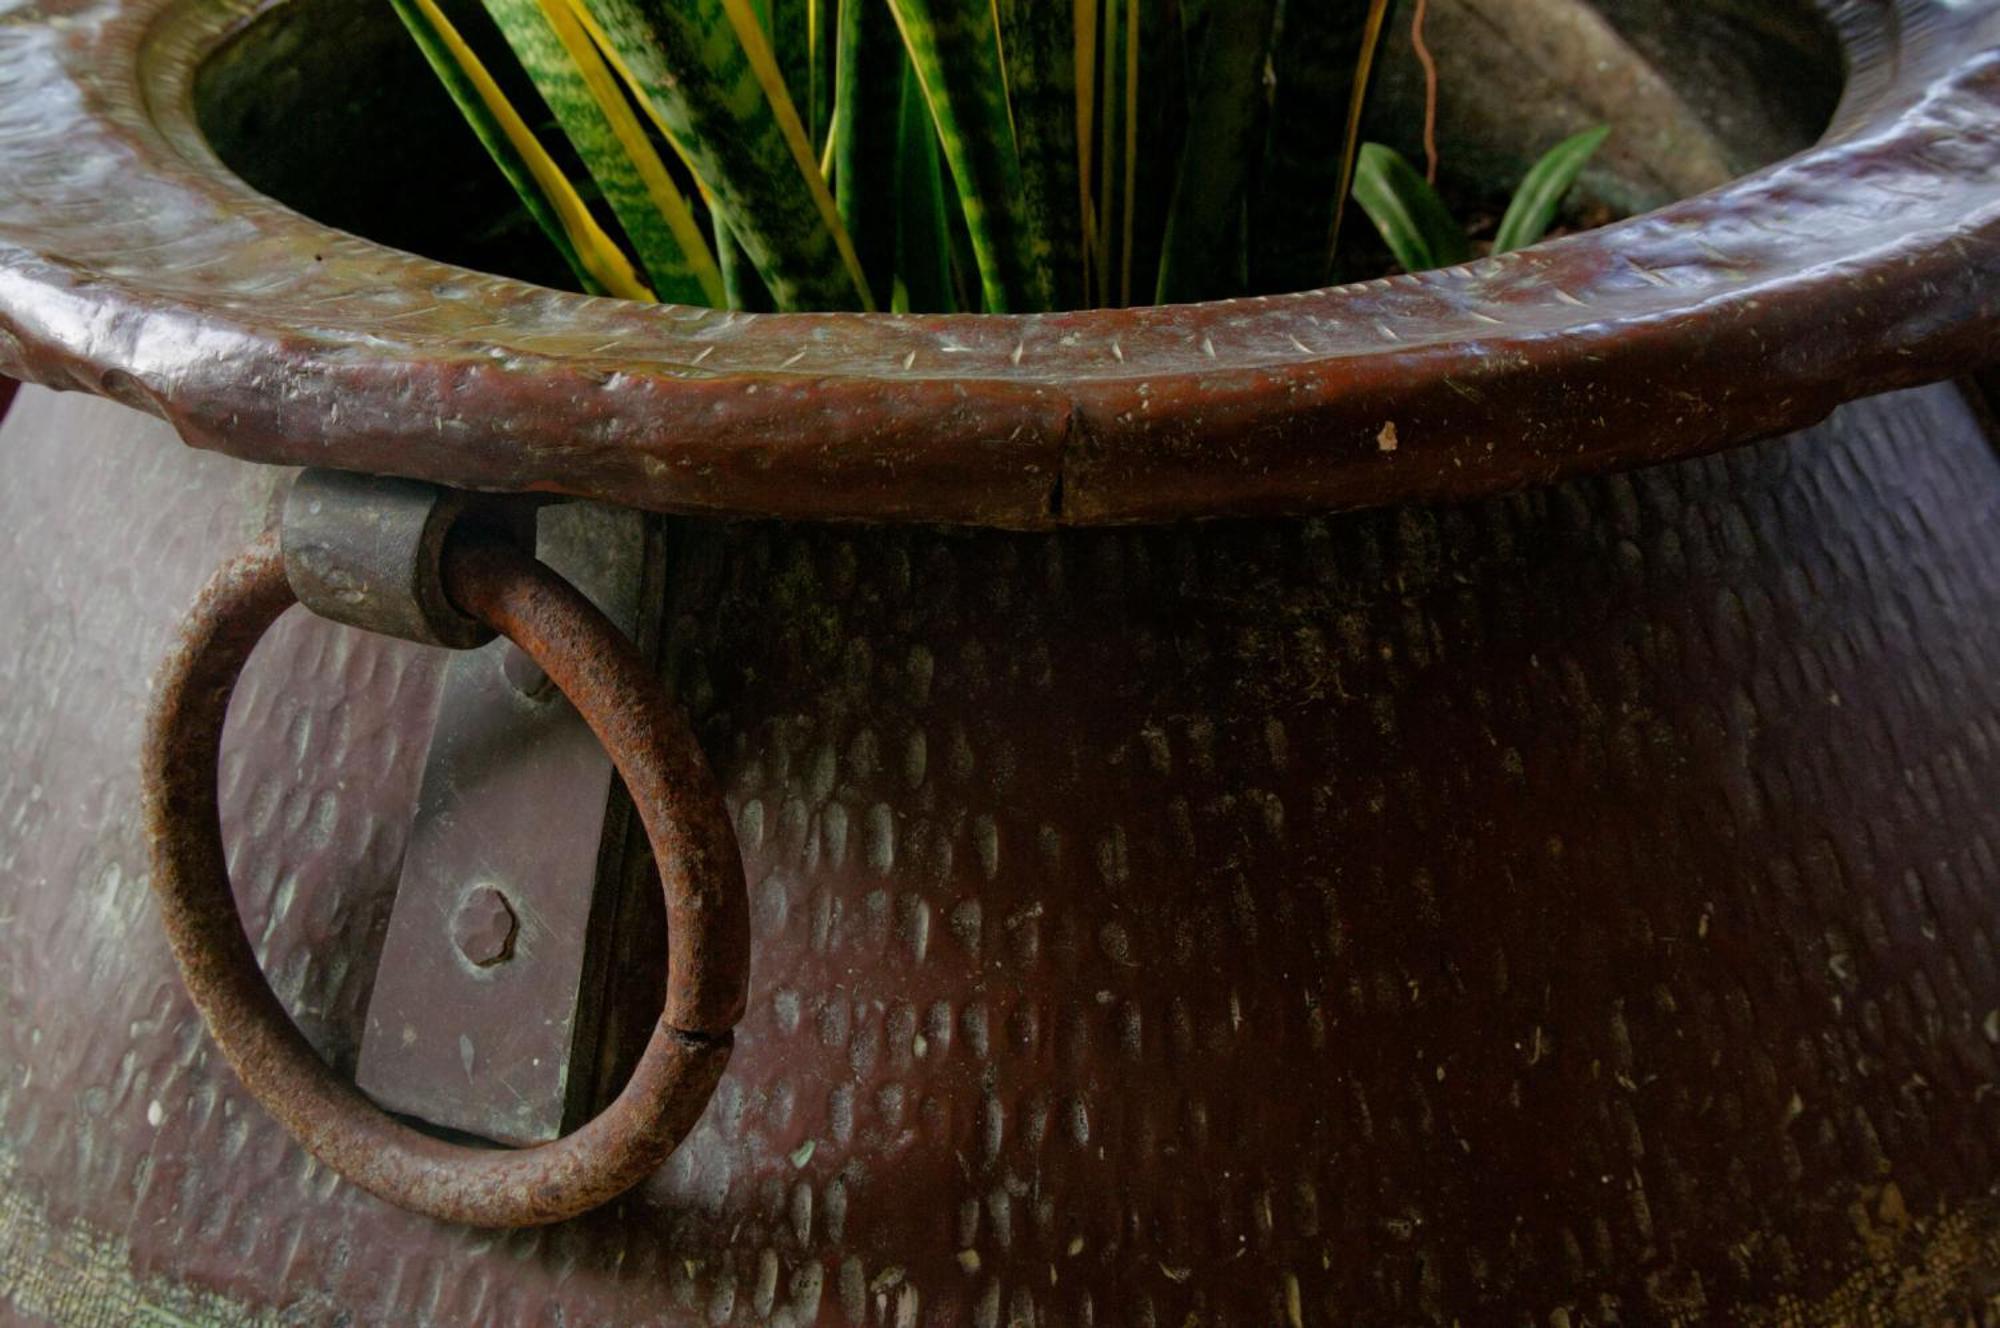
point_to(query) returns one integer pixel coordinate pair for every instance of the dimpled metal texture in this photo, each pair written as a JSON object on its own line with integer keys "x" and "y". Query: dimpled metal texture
{"x": 133, "y": 264}
{"x": 1572, "y": 908}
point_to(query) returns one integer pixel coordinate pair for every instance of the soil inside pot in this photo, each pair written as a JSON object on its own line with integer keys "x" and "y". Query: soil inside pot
{"x": 327, "y": 107}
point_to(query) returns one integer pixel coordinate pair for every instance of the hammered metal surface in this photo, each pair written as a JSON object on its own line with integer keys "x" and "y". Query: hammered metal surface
{"x": 133, "y": 264}
{"x": 1569, "y": 909}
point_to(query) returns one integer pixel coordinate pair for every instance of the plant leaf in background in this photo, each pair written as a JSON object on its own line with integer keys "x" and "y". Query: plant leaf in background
{"x": 1315, "y": 61}
{"x": 1543, "y": 188}
{"x": 1350, "y": 152}
{"x": 1413, "y": 220}
{"x": 923, "y": 228}
{"x": 867, "y": 121}
{"x": 709, "y": 71}
{"x": 1039, "y": 46}
{"x": 584, "y": 95}
{"x": 1083, "y": 66}
{"x": 937, "y": 155}
{"x": 1160, "y": 125}
{"x": 823, "y": 51}
{"x": 544, "y": 191}
{"x": 1225, "y": 110}
{"x": 1110, "y": 81}
{"x": 955, "y": 48}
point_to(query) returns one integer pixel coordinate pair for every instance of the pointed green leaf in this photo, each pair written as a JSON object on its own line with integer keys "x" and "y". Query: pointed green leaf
{"x": 923, "y": 230}
{"x": 1412, "y": 218}
{"x": 955, "y": 48}
{"x": 606, "y": 133}
{"x": 1543, "y": 188}
{"x": 709, "y": 72}
{"x": 486, "y": 127}
{"x": 596, "y": 253}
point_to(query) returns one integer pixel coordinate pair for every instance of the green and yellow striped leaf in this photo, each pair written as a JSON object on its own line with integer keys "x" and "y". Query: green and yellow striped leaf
{"x": 1039, "y": 43}
{"x": 955, "y": 47}
{"x": 545, "y": 192}
{"x": 601, "y": 125}
{"x": 708, "y": 70}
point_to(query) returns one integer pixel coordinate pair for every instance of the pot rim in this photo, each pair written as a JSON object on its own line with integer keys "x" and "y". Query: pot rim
{"x": 133, "y": 263}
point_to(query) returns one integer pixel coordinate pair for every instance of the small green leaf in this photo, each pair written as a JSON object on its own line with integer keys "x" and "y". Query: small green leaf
{"x": 1543, "y": 189}
{"x": 1418, "y": 227}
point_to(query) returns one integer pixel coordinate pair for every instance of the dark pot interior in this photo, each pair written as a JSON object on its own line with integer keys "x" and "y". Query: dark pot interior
{"x": 327, "y": 107}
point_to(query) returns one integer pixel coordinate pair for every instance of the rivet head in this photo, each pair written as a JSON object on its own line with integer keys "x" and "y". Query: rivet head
{"x": 483, "y": 927}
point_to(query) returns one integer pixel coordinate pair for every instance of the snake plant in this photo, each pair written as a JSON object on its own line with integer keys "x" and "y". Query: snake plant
{"x": 924, "y": 155}
{"x": 1420, "y": 230}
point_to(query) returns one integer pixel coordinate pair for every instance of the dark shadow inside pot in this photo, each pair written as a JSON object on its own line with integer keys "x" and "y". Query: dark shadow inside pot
{"x": 327, "y": 107}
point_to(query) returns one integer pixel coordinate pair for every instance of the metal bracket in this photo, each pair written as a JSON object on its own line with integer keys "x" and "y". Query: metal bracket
{"x": 366, "y": 550}
{"x": 523, "y": 866}
{"x": 525, "y": 870}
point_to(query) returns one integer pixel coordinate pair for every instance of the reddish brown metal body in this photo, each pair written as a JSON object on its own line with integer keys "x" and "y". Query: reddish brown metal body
{"x": 677, "y": 802}
{"x": 1571, "y": 907}
{"x": 1576, "y": 906}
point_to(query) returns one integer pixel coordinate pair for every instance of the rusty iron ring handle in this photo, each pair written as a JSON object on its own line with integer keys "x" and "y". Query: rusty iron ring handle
{"x": 677, "y": 800}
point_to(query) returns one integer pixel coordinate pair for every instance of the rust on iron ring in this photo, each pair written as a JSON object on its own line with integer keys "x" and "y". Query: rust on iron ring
{"x": 685, "y": 821}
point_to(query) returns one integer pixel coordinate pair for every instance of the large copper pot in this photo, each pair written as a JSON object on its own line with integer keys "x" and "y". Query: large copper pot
{"x": 1561, "y": 894}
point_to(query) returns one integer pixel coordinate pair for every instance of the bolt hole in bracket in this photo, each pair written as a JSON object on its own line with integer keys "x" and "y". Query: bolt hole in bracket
{"x": 446, "y": 568}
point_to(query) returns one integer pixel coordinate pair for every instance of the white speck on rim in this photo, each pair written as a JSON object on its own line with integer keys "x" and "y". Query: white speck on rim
{"x": 155, "y": 1113}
